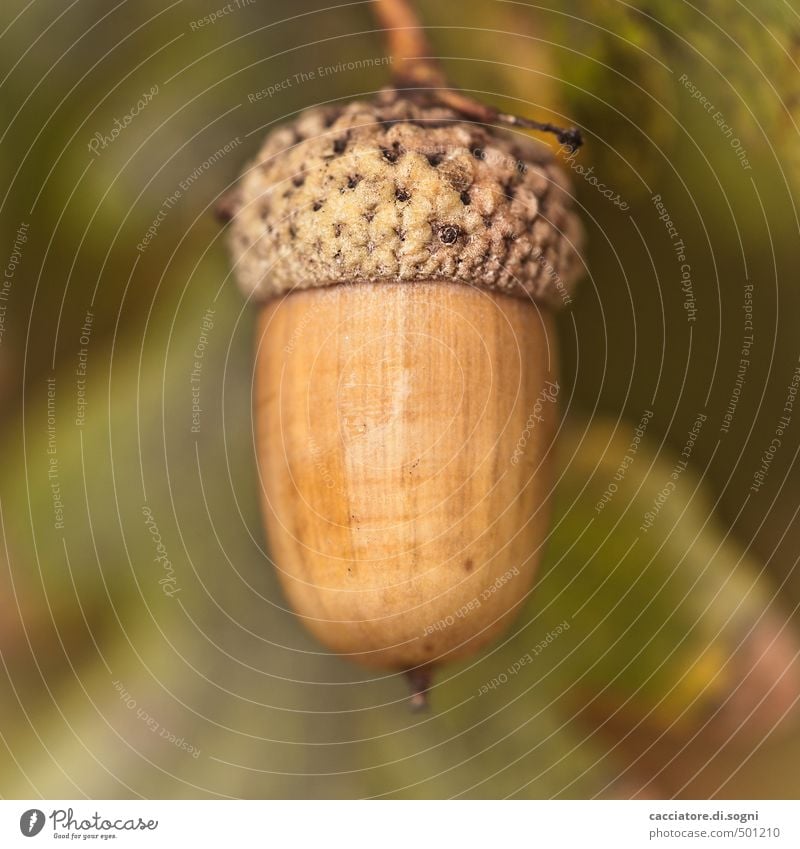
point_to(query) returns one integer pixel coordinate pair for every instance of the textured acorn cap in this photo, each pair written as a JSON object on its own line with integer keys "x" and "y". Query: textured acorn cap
{"x": 393, "y": 189}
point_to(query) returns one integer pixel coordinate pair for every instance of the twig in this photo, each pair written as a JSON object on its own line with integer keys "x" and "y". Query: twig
{"x": 416, "y": 68}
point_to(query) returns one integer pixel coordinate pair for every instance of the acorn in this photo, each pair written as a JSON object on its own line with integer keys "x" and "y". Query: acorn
{"x": 406, "y": 259}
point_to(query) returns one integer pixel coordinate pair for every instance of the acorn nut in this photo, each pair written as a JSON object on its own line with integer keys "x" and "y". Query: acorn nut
{"x": 406, "y": 264}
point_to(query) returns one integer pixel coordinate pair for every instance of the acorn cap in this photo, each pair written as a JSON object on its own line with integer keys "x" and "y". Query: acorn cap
{"x": 396, "y": 189}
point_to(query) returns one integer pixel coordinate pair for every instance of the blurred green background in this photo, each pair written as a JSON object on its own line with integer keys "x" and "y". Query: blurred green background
{"x": 124, "y": 675}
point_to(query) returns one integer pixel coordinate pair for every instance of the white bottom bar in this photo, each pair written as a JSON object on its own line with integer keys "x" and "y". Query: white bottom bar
{"x": 401, "y": 825}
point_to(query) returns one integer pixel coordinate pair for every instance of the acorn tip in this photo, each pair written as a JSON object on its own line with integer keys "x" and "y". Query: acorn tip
{"x": 419, "y": 683}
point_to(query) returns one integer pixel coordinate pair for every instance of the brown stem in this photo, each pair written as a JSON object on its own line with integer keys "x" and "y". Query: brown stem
{"x": 419, "y": 682}
{"x": 414, "y": 64}
{"x": 415, "y": 67}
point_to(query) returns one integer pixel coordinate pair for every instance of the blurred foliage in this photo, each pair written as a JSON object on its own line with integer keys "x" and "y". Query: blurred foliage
{"x": 679, "y": 661}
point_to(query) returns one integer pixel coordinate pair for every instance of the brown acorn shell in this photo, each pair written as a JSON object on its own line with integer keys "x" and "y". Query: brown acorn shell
{"x": 404, "y": 437}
